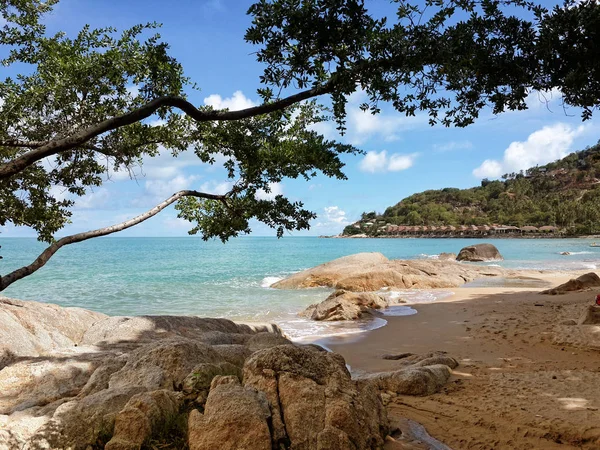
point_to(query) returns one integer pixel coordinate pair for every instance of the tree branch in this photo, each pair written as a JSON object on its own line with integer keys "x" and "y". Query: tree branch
{"x": 41, "y": 260}
{"x": 15, "y": 143}
{"x": 51, "y": 148}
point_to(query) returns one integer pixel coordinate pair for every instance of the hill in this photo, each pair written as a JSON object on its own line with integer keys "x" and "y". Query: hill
{"x": 564, "y": 193}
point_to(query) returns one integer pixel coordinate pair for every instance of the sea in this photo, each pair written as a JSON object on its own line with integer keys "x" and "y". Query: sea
{"x": 188, "y": 276}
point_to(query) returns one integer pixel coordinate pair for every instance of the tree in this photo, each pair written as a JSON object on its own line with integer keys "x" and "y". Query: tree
{"x": 88, "y": 104}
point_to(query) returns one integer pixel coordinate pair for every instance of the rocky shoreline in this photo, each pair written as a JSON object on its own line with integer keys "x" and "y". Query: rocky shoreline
{"x": 76, "y": 379}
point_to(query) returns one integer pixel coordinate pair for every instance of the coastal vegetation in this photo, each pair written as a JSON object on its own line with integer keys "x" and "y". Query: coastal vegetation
{"x": 562, "y": 196}
{"x": 75, "y": 109}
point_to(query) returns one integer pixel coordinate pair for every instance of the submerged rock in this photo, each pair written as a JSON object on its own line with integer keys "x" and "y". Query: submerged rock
{"x": 582, "y": 283}
{"x": 345, "y": 305}
{"x": 373, "y": 271}
{"x": 479, "y": 253}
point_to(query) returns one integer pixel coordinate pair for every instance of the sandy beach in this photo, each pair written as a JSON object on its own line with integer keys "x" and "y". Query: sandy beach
{"x": 526, "y": 380}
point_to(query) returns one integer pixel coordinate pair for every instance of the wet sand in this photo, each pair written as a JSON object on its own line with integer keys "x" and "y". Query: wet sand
{"x": 525, "y": 380}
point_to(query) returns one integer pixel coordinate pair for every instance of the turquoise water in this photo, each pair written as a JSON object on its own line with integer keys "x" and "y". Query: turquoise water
{"x": 126, "y": 276}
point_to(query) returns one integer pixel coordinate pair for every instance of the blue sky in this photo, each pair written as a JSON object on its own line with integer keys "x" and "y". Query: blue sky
{"x": 404, "y": 155}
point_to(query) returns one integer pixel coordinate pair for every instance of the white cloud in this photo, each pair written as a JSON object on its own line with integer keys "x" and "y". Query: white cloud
{"x": 333, "y": 214}
{"x": 215, "y": 187}
{"x": 94, "y": 199}
{"x": 374, "y": 162}
{"x": 362, "y": 125}
{"x": 275, "y": 190}
{"x": 165, "y": 188}
{"x": 541, "y": 147}
{"x": 544, "y": 99}
{"x": 234, "y": 103}
{"x": 489, "y": 169}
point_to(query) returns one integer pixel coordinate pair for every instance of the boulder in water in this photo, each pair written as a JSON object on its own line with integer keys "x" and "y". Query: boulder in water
{"x": 447, "y": 256}
{"x": 479, "y": 253}
{"x": 366, "y": 272}
{"x": 345, "y": 305}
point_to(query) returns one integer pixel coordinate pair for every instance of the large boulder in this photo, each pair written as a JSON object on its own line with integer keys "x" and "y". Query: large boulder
{"x": 124, "y": 330}
{"x": 479, "y": 253}
{"x": 582, "y": 283}
{"x": 345, "y": 305}
{"x": 36, "y": 329}
{"x": 235, "y": 418}
{"x": 80, "y": 379}
{"x": 313, "y": 401}
{"x": 365, "y": 272}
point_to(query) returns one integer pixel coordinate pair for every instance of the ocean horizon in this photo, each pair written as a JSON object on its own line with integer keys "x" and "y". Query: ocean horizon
{"x": 188, "y": 276}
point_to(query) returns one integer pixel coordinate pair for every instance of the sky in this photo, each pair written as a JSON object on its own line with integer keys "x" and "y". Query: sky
{"x": 403, "y": 155}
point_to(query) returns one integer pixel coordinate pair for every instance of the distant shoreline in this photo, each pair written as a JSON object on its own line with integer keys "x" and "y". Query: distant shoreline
{"x": 489, "y": 236}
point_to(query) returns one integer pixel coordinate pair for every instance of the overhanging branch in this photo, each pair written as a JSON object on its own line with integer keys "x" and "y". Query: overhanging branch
{"x": 45, "y": 256}
{"x": 53, "y": 147}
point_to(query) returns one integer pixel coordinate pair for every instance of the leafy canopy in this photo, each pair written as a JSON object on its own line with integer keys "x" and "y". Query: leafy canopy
{"x": 74, "y": 108}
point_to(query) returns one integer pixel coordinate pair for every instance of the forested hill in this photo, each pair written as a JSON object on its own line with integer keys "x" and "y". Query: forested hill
{"x": 565, "y": 193}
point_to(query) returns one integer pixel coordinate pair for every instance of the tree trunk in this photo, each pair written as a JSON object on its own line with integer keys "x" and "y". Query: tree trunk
{"x": 45, "y": 256}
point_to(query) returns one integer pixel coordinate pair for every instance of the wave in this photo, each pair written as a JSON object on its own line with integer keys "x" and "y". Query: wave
{"x": 306, "y": 330}
{"x": 426, "y": 256}
{"x": 268, "y": 281}
{"x": 579, "y": 253}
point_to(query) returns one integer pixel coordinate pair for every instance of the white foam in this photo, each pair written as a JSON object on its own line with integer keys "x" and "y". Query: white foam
{"x": 425, "y": 255}
{"x": 269, "y": 281}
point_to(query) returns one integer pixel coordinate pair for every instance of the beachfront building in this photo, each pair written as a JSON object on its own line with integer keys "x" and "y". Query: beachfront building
{"x": 462, "y": 230}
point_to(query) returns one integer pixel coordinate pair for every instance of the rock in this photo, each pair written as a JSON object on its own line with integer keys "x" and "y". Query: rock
{"x": 422, "y": 374}
{"x": 28, "y": 384}
{"x": 345, "y": 305}
{"x": 163, "y": 365}
{"x": 143, "y": 414}
{"x": 396, "y": 357}
{"x": 313, "y": 401}
{"x": 373, "y": 271}
{"x": 36, "y": 329}
{"x": 412, "y": 380}
{"x": 582, "y": 283}
{"x": 234, "y": 354}
{"x": 569, "y": 322}
{"x": 81, "y": 423}
{"x": 198, "y": 381}
{"x": 235, "y": 418}
{"x": 479, "y": 253}
{"x": 129, "y": 380}
{"x": 146, "y": 329}
{"x": 427, "y": 359}
{"x": 447, "y": 256}
{"x": 565, "y": 253}
{"x": 591, "y": 316}
{"x": 260, "y": 341}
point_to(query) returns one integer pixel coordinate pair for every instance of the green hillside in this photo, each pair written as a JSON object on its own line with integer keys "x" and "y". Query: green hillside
{"x": 564, "y": 193}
